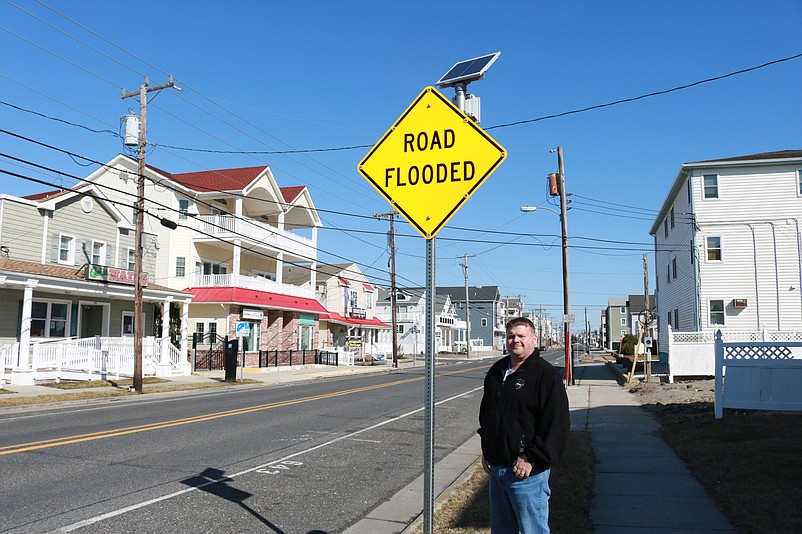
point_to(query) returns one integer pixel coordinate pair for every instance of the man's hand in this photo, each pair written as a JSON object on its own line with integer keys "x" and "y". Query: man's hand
{"x": 485, "y": 467}
{"x": 521, "y": 468}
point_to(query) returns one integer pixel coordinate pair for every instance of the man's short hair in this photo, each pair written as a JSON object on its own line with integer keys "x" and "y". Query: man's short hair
{"x": 521, "y": 321}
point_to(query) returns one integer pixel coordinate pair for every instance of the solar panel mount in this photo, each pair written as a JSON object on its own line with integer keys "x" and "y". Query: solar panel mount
{"x": 467, "y": 71}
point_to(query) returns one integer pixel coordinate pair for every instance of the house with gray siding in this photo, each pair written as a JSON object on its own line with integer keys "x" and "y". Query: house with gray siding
{"x": 728, "y": 247}
{"x": 65, "y": 272}
{"x": 487, "y": 312}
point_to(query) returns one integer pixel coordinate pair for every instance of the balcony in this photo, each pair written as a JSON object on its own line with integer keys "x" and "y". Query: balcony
{"x": 229, "y": 227}
{"x": 256, "y": 283}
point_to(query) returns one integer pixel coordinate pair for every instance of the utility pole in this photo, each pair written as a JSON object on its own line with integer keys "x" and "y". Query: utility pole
{"x": 540, "y": 326}
{"x": 464, "y": 266}
{"x": 569, "y": 367}
{"x": 393, "y": 311}
{"x": 646, "y": 318}
{"x": 140, "y": 221}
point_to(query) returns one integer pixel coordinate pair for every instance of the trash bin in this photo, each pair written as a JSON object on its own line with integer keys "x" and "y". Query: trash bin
{"x": 230, "y": 363}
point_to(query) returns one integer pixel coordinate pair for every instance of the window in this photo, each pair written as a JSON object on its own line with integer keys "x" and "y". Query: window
{"x": 128, "y": 323}
{"x": 665, "y": 228}
{"x": 66, "y": 249}
{"x": 623, "y": 309}
{"x": 714, "y": 248}
{"x": 716, "y": 312}
{"x": 199, "y": 330}
{"x": 484, "y": 322}
{"x": 354, "y": 299}
{"x": 676, "y": 317}
{"x": 183, "y": 208}
{"x": 674, "y": 268}
{"x": 668, "y": 273}
{"x": 98, "y": 253}
{"x": 400, "y": 329}
{"x": 623, "y": 333}
{"x": 131, "y": 259}
{"x": 669, "y": 319}
{"x": 692, "y": 252}
{"x": 213, "y": 332}
{"x": 207, "y": 267}
{"x": 49, "y": 319}
{"x": 180, "y": 267}
{"x": 688, "y": 188}
{"x": 369, "y": 300}
{"x": 710, "y": 182}
{"x": 672, "y": 217}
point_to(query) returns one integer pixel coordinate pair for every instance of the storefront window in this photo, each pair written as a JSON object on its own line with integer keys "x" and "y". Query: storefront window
{"x": 49, "y": 319}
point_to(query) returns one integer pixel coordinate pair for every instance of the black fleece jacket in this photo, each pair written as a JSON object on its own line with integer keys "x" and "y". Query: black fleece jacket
{"x": 525, "y": 415}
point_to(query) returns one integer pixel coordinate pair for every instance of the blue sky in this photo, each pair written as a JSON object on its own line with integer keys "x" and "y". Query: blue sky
{"x": 279, "y": 76}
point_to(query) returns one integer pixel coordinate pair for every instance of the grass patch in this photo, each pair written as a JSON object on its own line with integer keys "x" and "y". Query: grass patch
{"x": 161, "y": 386}
{"x": 750, "y": 463}
{"x": 467, "y": 508}
{"x": 84, "y": 384}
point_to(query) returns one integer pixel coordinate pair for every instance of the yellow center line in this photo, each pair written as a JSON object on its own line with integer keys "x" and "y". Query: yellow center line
{"x": 92, "y": 436}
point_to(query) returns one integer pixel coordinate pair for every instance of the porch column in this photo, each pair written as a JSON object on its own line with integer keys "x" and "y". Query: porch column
{"x": 163, "y": 368}
{"x": 22, "y": 373}
{"x": 186, "y": 365}
{"x": 279, "y": 267}
{"x": 236, "y": 261}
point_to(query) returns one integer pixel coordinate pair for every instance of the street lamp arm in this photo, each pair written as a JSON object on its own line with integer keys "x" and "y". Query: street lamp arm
{"x": 529, "y": 209}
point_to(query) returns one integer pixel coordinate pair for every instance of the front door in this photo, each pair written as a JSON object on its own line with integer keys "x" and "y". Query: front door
{"x": 91, "y": 320}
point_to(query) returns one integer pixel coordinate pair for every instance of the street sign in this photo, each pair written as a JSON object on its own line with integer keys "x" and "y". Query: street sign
{"x": 243, "y": 329}
{"x": 431, "y": 161}
{"x": 569, "y": 318}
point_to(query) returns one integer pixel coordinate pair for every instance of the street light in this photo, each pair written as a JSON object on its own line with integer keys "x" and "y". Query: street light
{"x": 566, "y": 301}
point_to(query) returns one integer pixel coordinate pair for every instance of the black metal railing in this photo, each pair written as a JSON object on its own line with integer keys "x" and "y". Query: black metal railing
{"x": 276, "y": 358}
{"x": 210, "y": 351}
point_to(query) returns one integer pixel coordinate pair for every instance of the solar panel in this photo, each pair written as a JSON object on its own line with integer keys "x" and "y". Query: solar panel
{"x": 468, "y": 70}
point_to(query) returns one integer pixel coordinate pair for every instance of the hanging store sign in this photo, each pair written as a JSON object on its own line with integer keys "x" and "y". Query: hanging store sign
{"x": 101, "y": 273}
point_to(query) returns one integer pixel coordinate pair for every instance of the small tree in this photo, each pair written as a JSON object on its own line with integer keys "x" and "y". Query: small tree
{"x": 628, "y": 345}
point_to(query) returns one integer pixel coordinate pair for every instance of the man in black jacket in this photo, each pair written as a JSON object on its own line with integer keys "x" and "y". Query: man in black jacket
{"x": 524, "y": 424}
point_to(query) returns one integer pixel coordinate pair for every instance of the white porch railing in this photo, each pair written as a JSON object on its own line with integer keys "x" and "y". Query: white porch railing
{"x": 256, "y": 283}
{"x": 88, "y": 358}
{"x": 257, "y": 232}
{"x": 693, "y": 353}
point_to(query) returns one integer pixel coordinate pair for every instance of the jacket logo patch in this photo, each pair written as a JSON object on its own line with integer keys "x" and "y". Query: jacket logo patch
{"x": 520, "y": 383}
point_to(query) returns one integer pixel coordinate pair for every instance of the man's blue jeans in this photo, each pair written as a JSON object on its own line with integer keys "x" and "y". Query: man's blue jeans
{"x": 519, "y": 505}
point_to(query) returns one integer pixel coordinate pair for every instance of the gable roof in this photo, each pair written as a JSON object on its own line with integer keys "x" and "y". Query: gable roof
{"x": 292, "y": 192}
{"x": 779, "y": 154}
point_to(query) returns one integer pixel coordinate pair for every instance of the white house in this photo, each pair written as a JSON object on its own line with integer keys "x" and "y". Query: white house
{"x": 411, "y": 321}
{"x": 728, "y": 248}
{"x": 238, "y": 233}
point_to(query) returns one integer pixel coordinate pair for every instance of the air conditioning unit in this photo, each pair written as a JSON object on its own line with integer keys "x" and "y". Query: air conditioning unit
{"x": 739, "y": 304}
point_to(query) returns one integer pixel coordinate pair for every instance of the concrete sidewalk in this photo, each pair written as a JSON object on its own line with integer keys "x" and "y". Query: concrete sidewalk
{"x": 641, "y": 485}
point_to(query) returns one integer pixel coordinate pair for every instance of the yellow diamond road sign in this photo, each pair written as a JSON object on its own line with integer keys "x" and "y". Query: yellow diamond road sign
{"x": 431, "y": 160}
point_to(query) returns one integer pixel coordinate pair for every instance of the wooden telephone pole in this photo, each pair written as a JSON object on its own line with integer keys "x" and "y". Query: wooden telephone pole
{"x": 140, "y": 222}
{"x": 393, "y": 311}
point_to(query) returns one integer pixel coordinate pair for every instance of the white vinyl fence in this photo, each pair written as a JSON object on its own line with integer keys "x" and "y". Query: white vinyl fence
{"x": 692, "y": 354}
{"x": 758, "y": 375}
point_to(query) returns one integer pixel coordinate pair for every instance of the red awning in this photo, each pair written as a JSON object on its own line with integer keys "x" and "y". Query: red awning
{"x": 344, "y": 282}
{"x": 368, "y": 287}
{"x": 263, "y": 299}
{"x": 334, "y": 317}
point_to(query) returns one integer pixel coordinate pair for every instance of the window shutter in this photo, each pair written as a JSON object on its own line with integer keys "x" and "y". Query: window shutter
{"x": 54, "y": 248}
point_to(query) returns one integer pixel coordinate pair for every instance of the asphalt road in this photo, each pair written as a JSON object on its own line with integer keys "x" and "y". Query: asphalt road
{"x": 301, "y": 458}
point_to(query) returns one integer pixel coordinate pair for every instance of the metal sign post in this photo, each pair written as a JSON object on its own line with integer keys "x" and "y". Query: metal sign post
{"x": 428, "y": 460}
